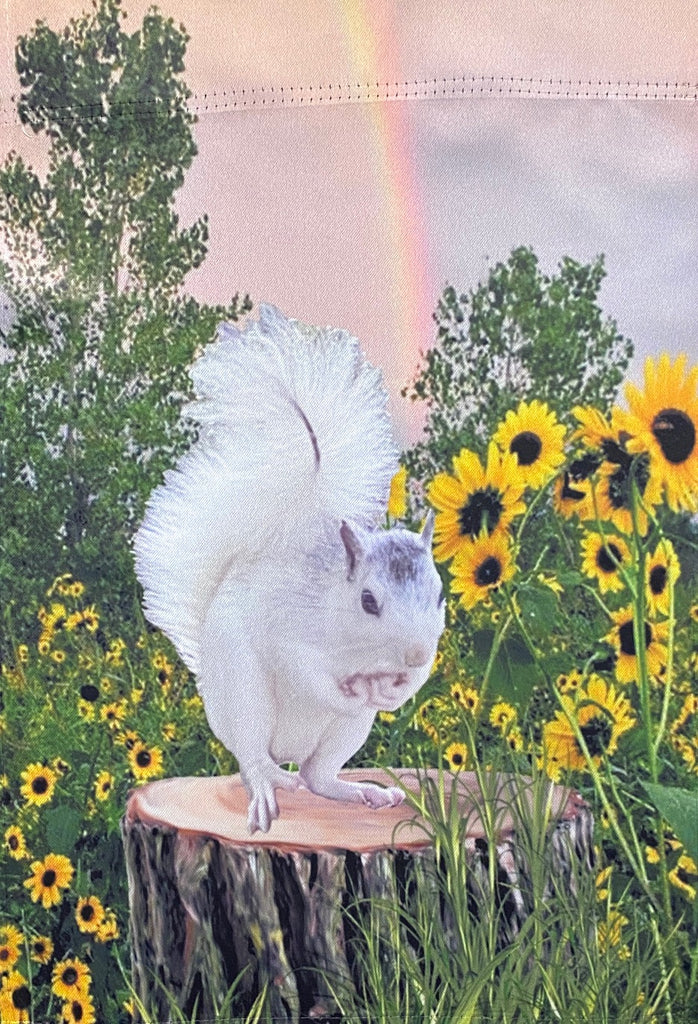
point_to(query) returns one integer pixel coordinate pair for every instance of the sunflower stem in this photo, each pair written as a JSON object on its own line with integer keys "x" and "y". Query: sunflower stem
{"x": 637, "y": 866}
{"x": 494, "y": 651}
{"x": 669, "y": 672}
{"x": 646, "y": 710}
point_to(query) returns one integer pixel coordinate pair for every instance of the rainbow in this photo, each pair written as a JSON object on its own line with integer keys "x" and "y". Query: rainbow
{"x": 370, "y": 35}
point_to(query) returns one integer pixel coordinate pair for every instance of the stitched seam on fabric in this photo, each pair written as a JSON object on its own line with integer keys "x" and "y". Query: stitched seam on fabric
{"x": 457, "y": 87}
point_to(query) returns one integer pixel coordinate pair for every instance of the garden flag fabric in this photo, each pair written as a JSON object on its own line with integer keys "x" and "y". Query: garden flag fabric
{"x": 499, "y": 202}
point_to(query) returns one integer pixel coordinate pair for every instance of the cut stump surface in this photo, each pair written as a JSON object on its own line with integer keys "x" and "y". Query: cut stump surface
{"x": 208, "y": 900}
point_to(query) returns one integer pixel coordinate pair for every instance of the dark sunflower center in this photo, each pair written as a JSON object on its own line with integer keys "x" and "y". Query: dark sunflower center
{"x": 39, "y": 947}
{"x": 597, "y": 734}
{"x": 4, "y": 953}
{"x": 143, "y": 758}
{"x": 69, "y": 976}
{"x": 162, "y": 677}
{"x": 581, "y": 469}
{"x": 527, "y": 447}
{"x": 570, "y": 493}
{"x": 620, "y": 482}
{"x": 627, "y": 638}
{"x": 483, "y": 510}
{"x": 89, "y": 693}
{"x": 608, "y": 558}
{"x": 13, "y": 843}
{"x": 48, "y": 879}
{"x": 87, "y": 912}
{"x": 456, "y": 758}
{"x": 489, "y": 572}
{"x": 675, "y": 433}
{"x": 21, "y": 999}
{"x": 39, "y": 785}
{"x": 77, "y": 1010}
{"x": 658, "y": 579}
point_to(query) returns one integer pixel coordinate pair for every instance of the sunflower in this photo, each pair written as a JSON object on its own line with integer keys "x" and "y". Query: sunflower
{"x": 502, "y": 716}
{"x": 603, "y": 559}
{"x": 622, "y": 637}
{"x": 610, "y": 934}
{"x": 534, "y": 437}
{"x": 663, "y": 421}
{"x": 62, "y": 584}
{"x": 15, "y": 999}
{"x": 15, "y": 843}
{"x": 129, "y": 738}
{"x": 515, "y": 739}
{"x": 39, "y": 784}
{"x": 113, "y": 714}
{"x": 619, "y": 476}
{"x": 104, "y": 783}
{"x": 572, "y": 491}
{"x": 567, "y": 682}
{"x": 164, "y": 666}
{"x": 397, "y": 500}
{"x": 109, "y": 929}
{"x": 480, "y": 567}
{"x": 90, "y": 619}
{"x": 457, "y": 756}
{"x": 41, "y": 948}
{"x": 594, "y": 430}
{"x": 602, "y": 715}
{"x": 474, "y": 500}
{"x": 145, "y": 762}
{"x": 48, "y": 877}
{"x": 11, "y": 941}
{"x": 679, "y": 877}
{"x": 70, "y": 978}
{"x": 89, "y": 914}
{"x": 663, "y": 570}
{"x": 79, "y": 1010}
{"x": 466, "y": 696}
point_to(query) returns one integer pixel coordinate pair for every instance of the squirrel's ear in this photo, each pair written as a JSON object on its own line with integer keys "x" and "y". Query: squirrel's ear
{"x": 427, "y": 533}
{"x": 352, "y": 545}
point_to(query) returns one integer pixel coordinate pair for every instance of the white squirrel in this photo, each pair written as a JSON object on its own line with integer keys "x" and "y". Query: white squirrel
{"x": 261, "y": 559}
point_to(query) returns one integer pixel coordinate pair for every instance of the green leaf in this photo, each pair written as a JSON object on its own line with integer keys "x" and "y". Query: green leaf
{"x": 514, "y": 671}
{"x": 63, "y": 827}
{"x": 679, "y": 808}
{"x": 538, "y": 606}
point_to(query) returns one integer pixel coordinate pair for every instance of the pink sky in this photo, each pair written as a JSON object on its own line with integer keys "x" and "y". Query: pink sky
{"x": 357, "y": 214}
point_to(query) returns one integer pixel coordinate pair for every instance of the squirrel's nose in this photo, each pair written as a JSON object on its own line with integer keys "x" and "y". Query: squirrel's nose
{"x": 416, "y": 655}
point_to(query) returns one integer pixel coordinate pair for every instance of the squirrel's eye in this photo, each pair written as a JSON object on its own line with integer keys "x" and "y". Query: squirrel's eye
{"x": 369, "y": 603}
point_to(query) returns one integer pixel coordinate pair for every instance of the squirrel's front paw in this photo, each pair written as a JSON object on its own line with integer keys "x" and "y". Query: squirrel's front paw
{"x": 261, "y": 784}
{"x": 377, "y": 796}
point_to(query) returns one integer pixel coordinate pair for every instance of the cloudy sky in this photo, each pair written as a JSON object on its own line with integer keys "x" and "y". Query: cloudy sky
{"x": 567, "y": 126}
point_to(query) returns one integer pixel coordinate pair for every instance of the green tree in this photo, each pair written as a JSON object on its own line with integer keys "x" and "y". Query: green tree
{"x": 94, "y": 261}
{"x": 519, "y": 335}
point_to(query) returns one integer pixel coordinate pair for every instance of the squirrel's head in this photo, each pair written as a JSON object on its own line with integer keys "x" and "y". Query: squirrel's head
{"x": 396, "y": 596}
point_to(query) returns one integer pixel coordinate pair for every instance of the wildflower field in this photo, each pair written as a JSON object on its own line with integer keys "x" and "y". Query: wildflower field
{"x": 571, "y": 654}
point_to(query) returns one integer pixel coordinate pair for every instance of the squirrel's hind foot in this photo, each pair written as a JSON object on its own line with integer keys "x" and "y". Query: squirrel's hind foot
{"x": 377, "y": 796}
{"x": 261, "y": 783}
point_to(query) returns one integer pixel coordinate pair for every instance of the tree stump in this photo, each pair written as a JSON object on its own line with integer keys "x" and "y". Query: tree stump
{"x": 208, "y": 901}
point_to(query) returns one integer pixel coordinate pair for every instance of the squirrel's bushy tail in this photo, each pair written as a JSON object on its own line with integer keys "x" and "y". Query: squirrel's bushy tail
{"x": 293, "y": 431}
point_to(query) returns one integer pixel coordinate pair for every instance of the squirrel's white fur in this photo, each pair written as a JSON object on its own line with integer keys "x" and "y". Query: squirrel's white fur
{"x": 257, "y": 552}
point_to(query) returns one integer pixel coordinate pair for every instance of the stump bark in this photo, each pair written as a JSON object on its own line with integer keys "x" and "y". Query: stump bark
{"x": 208, "y": 901}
